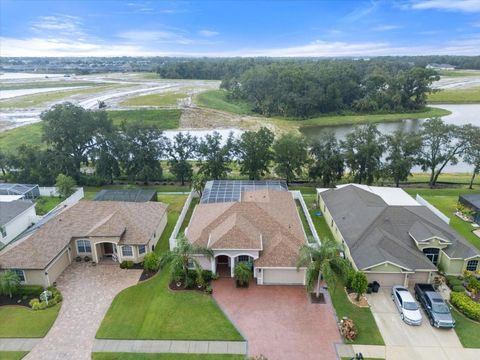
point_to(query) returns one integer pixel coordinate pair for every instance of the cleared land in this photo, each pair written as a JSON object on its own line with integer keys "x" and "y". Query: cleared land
{"x": 456, "y": 96}
{"x": 459, "y": 73}
{"x": 26, "y": 323}
{"x": 162, "y": 99}
{"x": 44, "y": 84}
{"x": 145, "y": 356}
{"x": 217, "y": 99}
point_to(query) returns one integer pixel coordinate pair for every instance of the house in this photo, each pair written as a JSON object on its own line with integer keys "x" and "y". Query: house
{"x": 472, "y": 201}
{"x": 135, "y": 195}
{"x": 15, "y": 217}
{"x": 101, "y": 230}
{"x": 254, "y": 222}
{"x": 391, "y": 237}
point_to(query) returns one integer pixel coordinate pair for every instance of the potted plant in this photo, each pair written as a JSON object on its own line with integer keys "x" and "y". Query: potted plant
{"x": 242, "y": 273}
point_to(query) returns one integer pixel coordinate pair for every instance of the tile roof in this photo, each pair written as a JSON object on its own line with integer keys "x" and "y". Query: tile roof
{"x": 11, "y": 209}
{"x": 266, "y": 219}
{"x": 376, "y": 232}
{"x": 134, "y": 223}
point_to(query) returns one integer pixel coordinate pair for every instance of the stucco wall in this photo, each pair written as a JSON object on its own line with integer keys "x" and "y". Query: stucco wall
{"x": 56, "y": 268}
{"x": 19, "y": 224}
{"x": 451, "y": 266}
{"x": 387, "y": 267}
{"x": 35, "y": 277}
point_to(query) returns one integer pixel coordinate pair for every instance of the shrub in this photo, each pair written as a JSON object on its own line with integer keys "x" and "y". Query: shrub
{"x": 243, "y": 273}
{"x": 190, "y": 282}
{"x": 30, "y": 290}
{"x": 126, "y": 264}
{"x": 458, "y": 288}
{"x": 207, "y": 275}
{"x": 348, "y": 329}
{"x": 473, "y": 285}
{"x": 349, "y": 277}
{"x": 466, "y": 305}
{"x": 33, "y": 302}
{"x": 453, "y": 281}
{"x": 151, "y": 262}
{"x": 359, "y": 284}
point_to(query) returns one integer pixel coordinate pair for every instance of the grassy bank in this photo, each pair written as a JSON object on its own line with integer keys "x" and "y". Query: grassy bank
{"x": 457, "y": 96}
{"x": 217, "y": 99}
{"x": 26, "y": 323}
{"x": 162, "y": 99}
{"x": 467, "y": 330}
{"x": 458, "y": 73}
{"x": 13, "y": 138}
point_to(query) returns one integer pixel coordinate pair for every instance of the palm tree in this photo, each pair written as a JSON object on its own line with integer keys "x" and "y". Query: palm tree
{"x": 243, "y": 273}
{"x": 322, "y": 261}
{"x": 9, "y": 283}
{"x": 182, "y": 257}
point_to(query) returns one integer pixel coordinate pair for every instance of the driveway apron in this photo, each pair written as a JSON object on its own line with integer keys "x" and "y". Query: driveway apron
{"x": 87, "y": 294}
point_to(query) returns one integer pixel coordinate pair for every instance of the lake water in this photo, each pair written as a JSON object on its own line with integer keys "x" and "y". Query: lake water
{"x": 461, "y": 115}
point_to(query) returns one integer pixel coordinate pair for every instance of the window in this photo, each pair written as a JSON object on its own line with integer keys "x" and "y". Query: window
{"x": 20, "y": 274}
{"x": 83, "y": 246}
{"x": 127, "y": 250}
{"x": 432, "y": 254}
{"x": 472, "y": 265}
{"x": 243, "y": 258}
{"x": 141, "y": 249}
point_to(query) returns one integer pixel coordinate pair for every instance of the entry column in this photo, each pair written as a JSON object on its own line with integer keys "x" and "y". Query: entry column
{"x": 232, "y": 266}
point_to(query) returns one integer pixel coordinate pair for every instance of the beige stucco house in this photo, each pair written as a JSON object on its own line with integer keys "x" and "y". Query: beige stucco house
{"x": 261, "y": 227}
{"x": 98, "y": 229}
{"x": 393, "y": 238}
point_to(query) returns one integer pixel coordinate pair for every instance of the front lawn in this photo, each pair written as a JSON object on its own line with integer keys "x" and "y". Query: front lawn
{"x": 26, "y": 323}
{"x": 164, "y": 356}
{"x": 46, "y": 203}
{"x": 151, "y": 311}
{"x": 12, "y": 355}
{"x": 467, "y": 330}
{"x": 446, "y": 200}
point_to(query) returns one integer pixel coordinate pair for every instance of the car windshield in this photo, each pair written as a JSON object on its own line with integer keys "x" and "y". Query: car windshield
{"x": 441, "y": 308}
{"x": 410, "y": 306}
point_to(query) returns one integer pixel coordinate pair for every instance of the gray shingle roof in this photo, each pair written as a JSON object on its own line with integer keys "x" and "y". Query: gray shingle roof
{"x": 472, "y": 200}
{"x": 376, "y": 232}
{"x": 10, "y": 210}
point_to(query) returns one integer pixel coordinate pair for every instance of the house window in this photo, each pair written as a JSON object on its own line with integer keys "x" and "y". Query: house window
{"x": 20, "y": 274}
{"x": 84, "y": 246}
{"x": 244, "y": 258}
{"x": 472, "y": 265}
{"x": 127, "y": 250}
{"x": 432, "y": 254}
{"x": 141, "y": 249}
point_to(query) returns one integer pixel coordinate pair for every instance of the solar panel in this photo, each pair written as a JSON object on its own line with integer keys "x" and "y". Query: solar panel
{"x": 231, "y": 190}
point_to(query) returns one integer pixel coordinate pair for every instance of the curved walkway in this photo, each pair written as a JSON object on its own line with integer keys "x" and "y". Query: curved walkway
{"x": 87, "y": 294}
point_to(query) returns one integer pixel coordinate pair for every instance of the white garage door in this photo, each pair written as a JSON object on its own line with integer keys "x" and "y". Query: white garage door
{"x": 283, "y": 277}
{"x": 386, "y": 279}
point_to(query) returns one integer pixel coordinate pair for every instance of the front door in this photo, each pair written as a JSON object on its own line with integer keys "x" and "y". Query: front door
{"x": 107, "y": 249}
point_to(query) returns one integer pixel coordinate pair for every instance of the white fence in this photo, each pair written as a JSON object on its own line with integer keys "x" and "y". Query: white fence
{"x": 48, "y": 191}
{"x": 437, "y": 212}
{"x": 173, "y": 237}
{"x": 297, "y": 195}
{"x": 71, "y": 200}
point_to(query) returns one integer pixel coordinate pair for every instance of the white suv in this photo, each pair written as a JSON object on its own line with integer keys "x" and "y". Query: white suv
{"x": 406, "y": 305}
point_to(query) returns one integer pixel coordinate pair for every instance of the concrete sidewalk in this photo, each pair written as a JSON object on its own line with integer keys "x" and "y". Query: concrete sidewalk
{"x": 171, "y": 346}
{"x": 18, "y": 344}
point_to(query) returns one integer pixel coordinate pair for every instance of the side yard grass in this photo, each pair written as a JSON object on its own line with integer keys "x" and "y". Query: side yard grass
{"x": 46, "y": 203}
{"x": 467, "y": 330}
{"x": 12, "y": 355}
{"x": 164, "y": 356}
{"x": 26, "y": 323}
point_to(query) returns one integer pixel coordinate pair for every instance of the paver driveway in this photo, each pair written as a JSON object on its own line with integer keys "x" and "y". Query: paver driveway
{"x": 87, "y": 293}
{"x": 279, "y": 321}
{"x": 414, "y": 342}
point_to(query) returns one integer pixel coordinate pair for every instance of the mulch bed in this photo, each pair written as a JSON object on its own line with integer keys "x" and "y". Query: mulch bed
{"x": 147, "y": 275}
{"x": 175, "y": 287}
{"x": 16, "y": 300}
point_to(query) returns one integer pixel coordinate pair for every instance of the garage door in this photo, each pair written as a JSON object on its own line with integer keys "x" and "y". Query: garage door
{"x": 386, "y": 279}
{"x": 418, "y": 277}
{"x": 283, "y": 277}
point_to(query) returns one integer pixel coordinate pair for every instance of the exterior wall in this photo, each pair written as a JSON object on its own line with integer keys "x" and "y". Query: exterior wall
{"x": 387, "y": 267}
{"x": 281, "y": 276}
{"x": 204, "y": 261}
{"x": 158, "y": 232}
{"x": 474, "y": 258}
{"x": 35, "y": 277}
{"x": 419, "y": 277}
{"x": 451, "y": 266}
{"x": 55, "y": 269}
{"x": 19, "y": 224}
{"x": 386, "y": 279}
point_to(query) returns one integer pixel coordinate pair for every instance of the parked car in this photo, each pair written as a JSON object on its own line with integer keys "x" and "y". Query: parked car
{"x": 435, "y": 307}
{"x": 406, "y": 305}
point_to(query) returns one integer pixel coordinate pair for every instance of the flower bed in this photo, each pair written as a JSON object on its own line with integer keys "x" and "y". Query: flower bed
{"x": 465, "y": 305}
{"x": 54, "y": 297}
{"x": 23, "y": 296}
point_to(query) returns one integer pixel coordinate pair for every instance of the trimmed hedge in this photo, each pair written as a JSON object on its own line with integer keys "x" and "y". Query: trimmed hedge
{"x": 458, "y": 288}
{"x": 453, "y": 281}
{"x": 465, "y": 305}
{"x": 30, "y": 290}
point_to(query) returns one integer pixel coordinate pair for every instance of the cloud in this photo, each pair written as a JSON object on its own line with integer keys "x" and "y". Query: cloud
{"x": 57, "y": 25}
{"x": 361, "y": 12}
{"x": 165, "y": 37}
{"x": 386, "y": 27}
{"x": 207, "y": 33}
{"x": 446, "y": 5}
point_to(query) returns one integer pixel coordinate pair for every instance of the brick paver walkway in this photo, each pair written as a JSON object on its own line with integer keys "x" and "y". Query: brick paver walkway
{"x": 88, "y": 292}
{"x": 279, "y": 321}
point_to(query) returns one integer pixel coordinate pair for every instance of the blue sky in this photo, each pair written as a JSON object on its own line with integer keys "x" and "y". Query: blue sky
{"x": 239, "y": 28}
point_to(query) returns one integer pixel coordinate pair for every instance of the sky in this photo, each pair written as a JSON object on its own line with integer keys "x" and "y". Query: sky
{"x": 239, "y": 28}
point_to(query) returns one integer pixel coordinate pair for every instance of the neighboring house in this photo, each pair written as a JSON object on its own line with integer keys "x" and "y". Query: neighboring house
{"x": 391, "y": 237}
{"x": 254, "y": 222}
{"x": 15, "y": 217}
{"x": 97, "y": 229}
{"x": 440, "y": 67}
{"x": 26, "y": 191}
{"x": 133, "y": 195}
{"x": 472, "y": 201}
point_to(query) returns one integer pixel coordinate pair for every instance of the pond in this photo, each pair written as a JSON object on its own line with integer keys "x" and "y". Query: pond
{"x": 461, "y": 115}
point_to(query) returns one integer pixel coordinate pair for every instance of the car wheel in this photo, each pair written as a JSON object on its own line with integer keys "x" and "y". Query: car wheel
{"x": 402, "y": 316}
{"x": 431, "y": 322}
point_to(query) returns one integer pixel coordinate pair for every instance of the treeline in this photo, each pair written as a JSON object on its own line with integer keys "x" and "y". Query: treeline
{"x": 78, "y": 140}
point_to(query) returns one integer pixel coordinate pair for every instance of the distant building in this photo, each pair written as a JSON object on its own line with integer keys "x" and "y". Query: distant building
{"x": 440, "y": 67}
{"x": 15, "y": 217}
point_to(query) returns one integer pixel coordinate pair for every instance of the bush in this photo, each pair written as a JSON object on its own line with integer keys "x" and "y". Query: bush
{"x": 349, "y": 277}
{"x": 207, "y": 276}
{"x": 151, "y": 262}
{"x": 453, "y": 281}
{"x": 458, "y": 288}
{"x": 215, "y": 276}
{"x": 126, "y": 264}
{"x": 33, "y": 302}
{"x": 473, "y": 285}
{"x": 190, "y": 282}
{"x": 466, "y": 305}
{"x": 348, "y": 329}
{"x": 30, "y": 290}
{"x": 359, "y": 284}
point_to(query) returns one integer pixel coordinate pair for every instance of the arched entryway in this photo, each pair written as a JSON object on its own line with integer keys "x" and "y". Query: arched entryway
{"x": 224, "y": 264}
{"x": 106, "y": 252}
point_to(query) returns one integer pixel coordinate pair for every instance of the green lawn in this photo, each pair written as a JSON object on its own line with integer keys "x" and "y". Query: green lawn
{"x": 163, "y": 118}
{"x": 458, "y": 73}
{"x": 25, "y": 323}
{"x": 46, "y": 203}
{"x": 165, "y": 356}
{"x": 217, "y": 99}
{"x": 467, "y": 330}
{"x": 162, "y": 99}
{"x": 456, "y": 96}
{"x": 308, "y": 232}
{"x": 13, "y": 138}
{"x": 445, "y": 200}
{"x": 188, "y": 216}
{"x": 455, "y": 178}
{"x": 44, "y": 84}
{"x": 12, "y": 355}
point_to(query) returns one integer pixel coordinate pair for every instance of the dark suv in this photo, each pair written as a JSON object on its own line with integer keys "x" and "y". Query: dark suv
{"x": 435, "y": 307}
